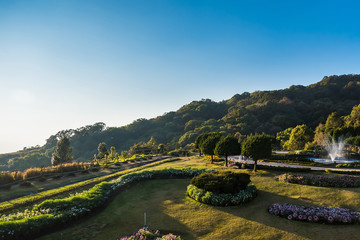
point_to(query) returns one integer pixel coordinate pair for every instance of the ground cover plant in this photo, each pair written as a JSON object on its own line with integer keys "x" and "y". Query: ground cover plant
{"x": 53, "y": 212}
{"x": 321, "y": 180}
{"x": 147, "y": 234}
{"x": 326, "y": 215}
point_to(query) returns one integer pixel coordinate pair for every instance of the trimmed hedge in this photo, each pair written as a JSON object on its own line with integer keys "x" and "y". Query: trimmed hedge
{"x": 222, "y": 199}
{"x": 221, "y": 182}
{"x": 275, "y": 168}
{"x": 350, "y": 172}
{"x": 54, "y": 212}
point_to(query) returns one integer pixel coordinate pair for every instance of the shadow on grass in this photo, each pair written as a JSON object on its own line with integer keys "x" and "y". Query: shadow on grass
{"x": 256, "y": 211}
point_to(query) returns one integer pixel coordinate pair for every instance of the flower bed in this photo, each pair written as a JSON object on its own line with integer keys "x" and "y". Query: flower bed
{"x": 50, "y": 213}
{"x": 222, "y": 199}
{"x": 315, "y": 214}
{"x": 321, "y": 180}
{"x": 146, "y": 234}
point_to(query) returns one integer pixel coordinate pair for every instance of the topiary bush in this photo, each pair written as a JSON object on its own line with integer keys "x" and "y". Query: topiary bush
{"x": 221, "y": 182}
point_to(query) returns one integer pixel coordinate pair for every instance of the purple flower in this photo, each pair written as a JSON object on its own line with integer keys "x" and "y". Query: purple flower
{"x": 290, "y": 217}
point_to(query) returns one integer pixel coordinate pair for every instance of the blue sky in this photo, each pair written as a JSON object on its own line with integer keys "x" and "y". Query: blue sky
{"x": 65, "y": 64}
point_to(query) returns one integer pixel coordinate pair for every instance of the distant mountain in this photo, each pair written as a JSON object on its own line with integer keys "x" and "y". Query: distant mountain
{"x": 260, "y": 111}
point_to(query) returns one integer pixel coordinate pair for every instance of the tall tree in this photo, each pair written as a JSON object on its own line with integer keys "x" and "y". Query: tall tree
{"x": 113, "y": 154}
{"x": 333, "y": 121}
{"x": 199, "y": 141}
{"x": 299, "y": 136}
{"x": 208, "y": 145}
{"x": 62, "y": 152}
{"x": 102, "y": 150}
{"x": 257, "y": 147}
{"x": 228, "y": 146}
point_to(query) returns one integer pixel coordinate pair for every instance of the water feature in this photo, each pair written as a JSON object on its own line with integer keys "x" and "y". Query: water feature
{"x": 335, "y": 149}
{"x": 335, "y": 152}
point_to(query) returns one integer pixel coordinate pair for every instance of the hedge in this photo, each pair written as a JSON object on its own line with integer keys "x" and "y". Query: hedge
{"x": 275, "y": 168}
{"x": 54, "y": 212}
{"x": 222, "y": 199}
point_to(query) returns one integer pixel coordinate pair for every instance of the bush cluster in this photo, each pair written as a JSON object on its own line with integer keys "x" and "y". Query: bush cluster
{"x": 221, "y": 182}
{"x": 315, "y": 214}
{"x": 350, "y": 165}
{"x": 147, "y": 234}
{"x": 9, "y": 177}
{"x": 321, "y": 180}
{"x": 222, "y": 199}
{"x": 52, "y": 212}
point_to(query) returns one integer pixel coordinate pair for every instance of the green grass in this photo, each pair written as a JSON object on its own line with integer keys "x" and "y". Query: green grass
{"x": 170, "y": 210}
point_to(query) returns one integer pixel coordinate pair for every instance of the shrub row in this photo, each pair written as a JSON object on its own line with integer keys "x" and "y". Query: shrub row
{"x": 350, "y": 172}
{"x": 50, "y": 213}
{"x": 221, "y": 182}
{"x": 26, "y": 200}
{"x": 9, "y": 177}
{"x": 320, "y": 180}
{"x": 146, "y": 234}
{"x": 315, "y": 214}
{"x": 350, "y": 165}
{"x": 222, "y": 199}
{"x": 275, "y": 168}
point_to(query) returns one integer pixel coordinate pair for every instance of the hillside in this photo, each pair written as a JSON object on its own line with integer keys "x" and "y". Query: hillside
{"x": 260, "y": 111}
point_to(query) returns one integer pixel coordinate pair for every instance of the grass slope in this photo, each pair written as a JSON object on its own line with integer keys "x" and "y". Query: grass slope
{"x": 170, "y": 210}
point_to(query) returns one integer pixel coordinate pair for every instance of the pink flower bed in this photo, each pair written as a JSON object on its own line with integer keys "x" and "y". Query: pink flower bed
{"x": 315, "y": 214}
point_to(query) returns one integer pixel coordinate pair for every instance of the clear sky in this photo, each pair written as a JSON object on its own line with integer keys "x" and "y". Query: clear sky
{"x": 69, "y": 63}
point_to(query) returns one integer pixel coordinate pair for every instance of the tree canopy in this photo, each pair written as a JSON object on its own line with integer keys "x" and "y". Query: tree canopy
{"x": 257, "y": 147}
{"x": 228, "y": 146}
{"x": 62, "y": 152}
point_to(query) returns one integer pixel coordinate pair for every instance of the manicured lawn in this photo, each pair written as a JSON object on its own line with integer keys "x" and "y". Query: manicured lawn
{"x": 170, "y": 210}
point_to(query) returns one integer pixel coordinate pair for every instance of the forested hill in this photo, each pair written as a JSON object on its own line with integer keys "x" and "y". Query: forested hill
{"x": 260, "y": 111}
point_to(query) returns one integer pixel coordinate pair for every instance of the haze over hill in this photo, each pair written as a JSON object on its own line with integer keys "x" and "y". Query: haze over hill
{"x": 260, "y": 111}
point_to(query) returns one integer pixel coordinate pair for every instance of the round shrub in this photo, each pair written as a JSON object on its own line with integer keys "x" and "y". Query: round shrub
{"x": 221, "y": 182}
{"x": 222, "y": 199}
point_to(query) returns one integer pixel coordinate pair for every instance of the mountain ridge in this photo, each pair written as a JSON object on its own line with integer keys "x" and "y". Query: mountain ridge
{"x": 260, "y": 111}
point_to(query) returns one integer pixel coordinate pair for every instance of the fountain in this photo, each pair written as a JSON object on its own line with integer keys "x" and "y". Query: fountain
{"x": 335, "y": 149}
{"x": 335, "y": 152}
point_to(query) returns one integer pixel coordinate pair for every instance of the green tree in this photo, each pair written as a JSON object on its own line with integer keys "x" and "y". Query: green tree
{"x": 228, "y": 146}
{"x": 299, "y": 136}
{"x": 152, "y": 144}
{"x": 62, "y": 152}
{"x": 353, "y": 120}
{"x": 102, "y": 150}
{"x": 199, "y": 141}
{"x": 333, "y": 122}
{"x": 257, "y": 147}
{"x": 113, "y": 154}
{"x": 208, "y": 145}
{"x": 284, "y": 136}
